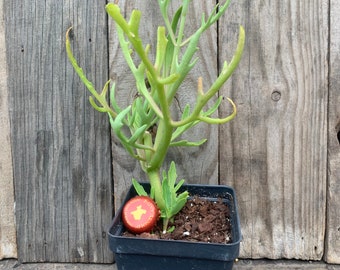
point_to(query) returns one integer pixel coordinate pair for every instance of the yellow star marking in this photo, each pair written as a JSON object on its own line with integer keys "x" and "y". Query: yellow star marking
{"x": 137, "y": 214}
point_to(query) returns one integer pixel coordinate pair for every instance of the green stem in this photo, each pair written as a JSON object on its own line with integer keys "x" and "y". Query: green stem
{"x": 162, "y": 143}
{"x": 155, "y": 182}
{"x": 165, "y": 224}
{"x": 101, "y": 99}
{"x": 227, "y": 70}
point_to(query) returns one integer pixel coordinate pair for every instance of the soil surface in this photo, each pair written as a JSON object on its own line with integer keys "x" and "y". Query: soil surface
{"x": 200, "y": 220}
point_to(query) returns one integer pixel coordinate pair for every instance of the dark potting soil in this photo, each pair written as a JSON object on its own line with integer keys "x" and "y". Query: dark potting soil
{"x": 200, "y": 220}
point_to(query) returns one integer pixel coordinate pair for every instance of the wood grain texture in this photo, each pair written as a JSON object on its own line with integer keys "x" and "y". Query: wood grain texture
{"x": 61, "y": 146}
{"x": 8, "y": 244}
{"x": 332, "y": 242}
{"x": 275, "y": 152}
{"x": 196, "y": 165}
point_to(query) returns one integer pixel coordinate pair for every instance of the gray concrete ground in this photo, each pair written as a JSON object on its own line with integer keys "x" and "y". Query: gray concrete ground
{"x": 240, "y": 265}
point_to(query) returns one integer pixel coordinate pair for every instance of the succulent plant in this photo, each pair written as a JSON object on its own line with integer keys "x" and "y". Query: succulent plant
{"x": 157, "y": 83}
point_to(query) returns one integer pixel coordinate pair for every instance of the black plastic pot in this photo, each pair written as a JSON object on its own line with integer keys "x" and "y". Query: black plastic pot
{"x": 151, "y": 254}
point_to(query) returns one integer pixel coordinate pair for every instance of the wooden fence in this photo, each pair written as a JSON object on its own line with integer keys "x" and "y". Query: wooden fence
{"x": 281, "y": 153}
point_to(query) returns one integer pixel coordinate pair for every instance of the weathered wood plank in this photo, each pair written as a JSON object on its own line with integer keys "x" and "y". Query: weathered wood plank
{"x": 332, "y": 242}
{"x": 8, "y": 245}
{"x": 61, "y": 146}
{"x": 275, "y": 152}
{"x": 196, "y": 165}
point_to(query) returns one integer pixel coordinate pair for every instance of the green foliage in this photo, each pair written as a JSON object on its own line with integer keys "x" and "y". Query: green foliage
{"x": 173, "y": 202}
{"x": 146, "y": 128}
{"x": 139, "y": 188}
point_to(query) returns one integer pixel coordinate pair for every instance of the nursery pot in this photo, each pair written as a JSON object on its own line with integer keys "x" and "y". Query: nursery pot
{"x": 153, "y": 254}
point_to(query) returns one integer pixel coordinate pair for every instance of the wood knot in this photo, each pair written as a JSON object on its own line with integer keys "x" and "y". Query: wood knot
{"x": 276, "y": 95}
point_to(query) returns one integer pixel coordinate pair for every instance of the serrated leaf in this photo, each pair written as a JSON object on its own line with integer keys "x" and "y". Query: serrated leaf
{"x": 179, "y": 184}
{"x": 173, "y": 202}
{"x": 166, "y": 196}
{"x": 183, "y": 195}
{"x": 178, "y": 206}
{"x": 172, "y": 175}
{"x": 139, "y": 188}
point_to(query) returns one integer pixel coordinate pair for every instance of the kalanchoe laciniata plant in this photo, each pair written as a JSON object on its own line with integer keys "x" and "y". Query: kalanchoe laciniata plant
{"x": 157, "y": 83}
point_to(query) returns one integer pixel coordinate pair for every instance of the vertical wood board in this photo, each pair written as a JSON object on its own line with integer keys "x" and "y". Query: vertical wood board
{"x": 275, "y": 151}
{"x": 196, "y": 165}
{"x": 332, "y": 241}
{"x": 61, "y": 146}
{"x": 8, "y": 245}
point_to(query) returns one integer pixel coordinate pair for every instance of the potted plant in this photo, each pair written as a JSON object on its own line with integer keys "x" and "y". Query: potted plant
{"x": 147, "y": 129}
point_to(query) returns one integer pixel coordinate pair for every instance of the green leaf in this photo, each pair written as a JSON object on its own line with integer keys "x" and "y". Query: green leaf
{"x": 95, "y": 106}
{"x": 170, "y": 46}
{"x": 180, "y": 130}
{"x": 169, "y": 80}
{"x": 183, "y": 195}
{"x": 145, "y": 92}
{"x": 118, "y": 122}
{"x": 166, "y": 197}
{"x": 101, "y": 99}
{"x": 138, "y": 134}
{"x": 161, "y": 48}
{"x": 175, "y": 20}
{"x": 179, "y": 204}
{"x": 214, "y": 107}
{"x": 220, "y": 121}
{"x": 172, "y": 175}
{"x": 116, "y": 127}
{"x": 131, "y": 118}
{"x": 179, "y": 184}
{"x": 171, "y": 229}
{"x": 134, "y": 21}
{"x": 139, "y": 188}
{"x": 114, "y": 104}
{"x": 114, "y": 11}
{"x": 173, "y": 202}
{"x": 187, "y": 143}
